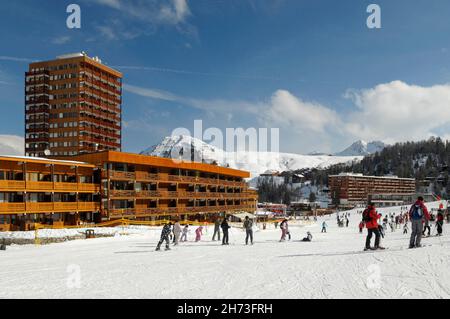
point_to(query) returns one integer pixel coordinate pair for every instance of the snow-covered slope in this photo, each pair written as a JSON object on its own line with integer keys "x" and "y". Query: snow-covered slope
{"x": 362, "y": 148}
{"x": 255, "y": 162}
{"x": 333, "y": 265}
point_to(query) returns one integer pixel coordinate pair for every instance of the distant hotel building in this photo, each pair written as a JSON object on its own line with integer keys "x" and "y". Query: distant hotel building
{"x": 72, "y": 106}
{"x": 351, "y": 189}
{"x": 112, "y": 185}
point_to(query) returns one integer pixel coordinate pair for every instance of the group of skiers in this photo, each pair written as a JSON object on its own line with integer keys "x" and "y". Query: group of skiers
{"x": 177, "y": 234}
{"x": 418, "y": 215}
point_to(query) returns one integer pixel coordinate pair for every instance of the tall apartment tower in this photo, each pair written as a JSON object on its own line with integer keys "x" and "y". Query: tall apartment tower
{"x": 72, "y": 106}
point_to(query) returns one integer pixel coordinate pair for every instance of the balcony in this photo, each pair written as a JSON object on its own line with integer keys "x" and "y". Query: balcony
{"x": 145, "y": 177}
{"x": 34, "y": 208}
{"x": 29, "y": 186}
{"x": 174, "y": 195}
{"x": 12, "y": 185}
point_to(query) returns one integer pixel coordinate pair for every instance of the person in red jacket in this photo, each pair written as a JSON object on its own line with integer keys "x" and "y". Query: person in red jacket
{"x": 417, "y": 214}
{"x": 370, "y": 217}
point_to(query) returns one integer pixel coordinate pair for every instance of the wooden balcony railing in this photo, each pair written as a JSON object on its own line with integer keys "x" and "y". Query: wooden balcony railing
{"x": 179, "y": 194}
{"x": 144, "y": 176}
{"x": 48, "y": 186}
{"x": 58, "y": 207}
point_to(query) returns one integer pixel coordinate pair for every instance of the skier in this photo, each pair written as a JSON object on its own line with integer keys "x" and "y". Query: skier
{"x": 284, "y": 230}
{"x": 176, "y": 233}
{"x": 361, "y": 227}
{"x": 426, "y": 227}
{"x": 165, "y": 233}
{"x": 185, "y": 232}
{"x": 347, "y": 221}
{"x": 324, "y": 227}
{"x": 248, "y": 226}
{"x": 440, "y": 222}
{"x": 417, "y": 213}
{"x": 405, "y": 229}
{"x": 225, "y": 227}
{"x": 198, "y": 234}
{"x": 216, "y": 229}
{"x": 308, "y": 237}
{"x": 370, "y": 217}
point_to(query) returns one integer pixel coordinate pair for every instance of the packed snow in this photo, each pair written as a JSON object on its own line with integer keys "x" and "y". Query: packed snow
{"x": 255, "y": 162}
{"x": 333, "y": 265}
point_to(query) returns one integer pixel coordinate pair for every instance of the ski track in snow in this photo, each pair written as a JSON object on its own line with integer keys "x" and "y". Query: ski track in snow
{"x": 332, "y": 266}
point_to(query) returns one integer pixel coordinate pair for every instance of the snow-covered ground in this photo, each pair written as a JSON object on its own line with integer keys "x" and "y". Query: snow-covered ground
{"x": 332, "y": 266}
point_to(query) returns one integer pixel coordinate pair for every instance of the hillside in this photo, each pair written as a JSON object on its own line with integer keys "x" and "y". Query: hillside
{"x": 422, "y": 160}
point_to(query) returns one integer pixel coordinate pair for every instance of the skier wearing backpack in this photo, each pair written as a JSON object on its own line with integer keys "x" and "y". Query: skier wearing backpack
{"x": 370, "y": 218}
{"x": 417, "y": 214}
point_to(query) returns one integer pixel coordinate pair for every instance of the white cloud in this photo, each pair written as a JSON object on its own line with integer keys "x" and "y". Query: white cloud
{"x": 288, "y": 110}
{"x": 12, "y": 145}
{"x": 397, "y": 111}
{"x": 211, "y": 106}
{"x": 61, "y": 40}
{"x": 15, "y": 59}
{"x": 390, "y": 112}
{"x": 150, "y": 13}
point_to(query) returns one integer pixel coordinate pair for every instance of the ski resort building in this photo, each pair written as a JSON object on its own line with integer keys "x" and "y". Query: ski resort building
{"x": 72, "y": 106}
{"x": 113, "y": 185}
{"x": 353, "y": 189}
{"x": 54, "y": 192}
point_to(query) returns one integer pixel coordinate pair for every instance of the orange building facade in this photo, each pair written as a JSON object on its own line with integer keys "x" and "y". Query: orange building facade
{"x": 72, "y": 106}
{"x": 34, "y": 190}
{"x": 349, "y": 189}
{"x": 113, "y": 185}
{"x": 145, "y": 187}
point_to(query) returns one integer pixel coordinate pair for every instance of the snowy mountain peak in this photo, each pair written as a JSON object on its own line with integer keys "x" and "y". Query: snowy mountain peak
{"x": 255, "y": 162}
{"x": 362, "y": 148}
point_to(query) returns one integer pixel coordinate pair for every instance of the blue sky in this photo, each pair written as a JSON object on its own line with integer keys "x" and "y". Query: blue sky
{"x": 311, "y": 68}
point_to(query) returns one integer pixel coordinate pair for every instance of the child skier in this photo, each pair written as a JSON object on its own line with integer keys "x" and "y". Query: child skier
{"x": 361, "y": 227}
{"x": 284, "y": 230}
{"x": 198, "y": 234}
{"x": 308, "y": 237}
{"x": 184, "y": 234}
{"x": 324, "y": 227}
